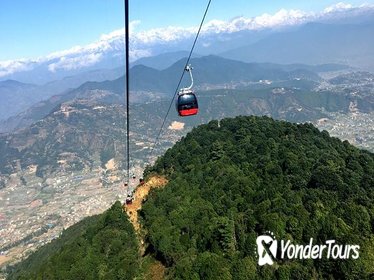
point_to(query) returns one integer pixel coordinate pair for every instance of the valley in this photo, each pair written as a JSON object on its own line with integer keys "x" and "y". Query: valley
{"x": 357, "y": 128}
{"x": 69, "y": 164}
{"x": 63, "y": 159}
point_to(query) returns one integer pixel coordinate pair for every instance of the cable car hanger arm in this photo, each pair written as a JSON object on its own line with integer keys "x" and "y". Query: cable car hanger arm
{"x": 189, "y": 69}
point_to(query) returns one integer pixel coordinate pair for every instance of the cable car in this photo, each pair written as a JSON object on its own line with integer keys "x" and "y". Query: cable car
{"x": 129, "y": 199}
{"x": 186, "y": 102}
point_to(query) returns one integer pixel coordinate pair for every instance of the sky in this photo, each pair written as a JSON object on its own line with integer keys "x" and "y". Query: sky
{"x": 34, "y": 28}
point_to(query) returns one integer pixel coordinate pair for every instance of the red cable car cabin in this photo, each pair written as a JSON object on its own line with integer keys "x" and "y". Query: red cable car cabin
{"x": 187, "y": 104}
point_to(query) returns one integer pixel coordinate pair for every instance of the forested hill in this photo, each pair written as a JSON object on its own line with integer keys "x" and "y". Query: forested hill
{"x": 234, "y": 180}
{"x": 229, "y": 182}
{"x": 99, "y": 247}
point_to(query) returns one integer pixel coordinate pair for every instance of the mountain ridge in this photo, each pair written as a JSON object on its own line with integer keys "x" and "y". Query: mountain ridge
{"x": 152, "y": 84}
{"x": 16, "y": 97}
{"x": 314, "y": 43}
{"x": 108, "y": 50}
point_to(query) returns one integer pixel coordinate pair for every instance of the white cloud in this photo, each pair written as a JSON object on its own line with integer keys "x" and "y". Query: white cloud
{"x": 142, "y": 43}
{"x": 12, "y": 66}
{"x": 76, "y": 62}
{"x": 338, "y": 7}
{"x": 120, "y": 32}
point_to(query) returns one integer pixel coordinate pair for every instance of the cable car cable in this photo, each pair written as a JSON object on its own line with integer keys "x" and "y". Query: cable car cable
{"x": 127, "y": 88}
{"x": 180, "y": 80}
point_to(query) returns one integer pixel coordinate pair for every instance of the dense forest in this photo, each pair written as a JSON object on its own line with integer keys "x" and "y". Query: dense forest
{"x": 234, "y": 180}
{"x": 99, "y": 247}
{"x": 229, "y": 182}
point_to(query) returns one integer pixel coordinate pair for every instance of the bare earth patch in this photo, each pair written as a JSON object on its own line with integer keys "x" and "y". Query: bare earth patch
{"x": 176, "y": 126}
{"x": 140, "y": 193}
{"x": 111, "y": 164}
{"x": 156, "y": 271}
{"x": 4, "y": 259}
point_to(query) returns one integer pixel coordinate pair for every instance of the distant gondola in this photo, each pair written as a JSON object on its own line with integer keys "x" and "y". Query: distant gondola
{"x": 186, "y": 102}
{"x": 129, "y": 199}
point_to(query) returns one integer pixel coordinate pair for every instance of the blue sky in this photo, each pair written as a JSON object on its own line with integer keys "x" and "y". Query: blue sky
{"x": 32, "y": 28}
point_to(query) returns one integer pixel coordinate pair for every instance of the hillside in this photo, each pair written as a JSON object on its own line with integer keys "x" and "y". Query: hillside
{"x": 79, "y": 135}
{"x": 162, "y": 61}
{"x": 17, "y": 97}
{"x": 149, "y": 84}
{"x": 232, "y": 181}
{"x": 99, "y": 247}
{"x": 77, "y": 132}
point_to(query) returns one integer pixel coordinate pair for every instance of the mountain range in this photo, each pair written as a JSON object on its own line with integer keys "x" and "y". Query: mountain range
{"x": 16, "y": 97}
{"x": 328, "y": 34}
{"x": 149, "y": 84}
{"x": 76, "y": 131}
{"x": 314, "y": 43}
{"x": 340, "y": 35}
